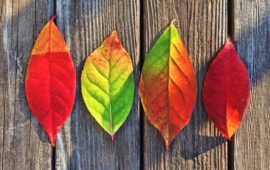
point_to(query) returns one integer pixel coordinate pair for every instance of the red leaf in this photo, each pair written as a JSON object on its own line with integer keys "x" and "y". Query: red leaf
{"x": 226, "y": 90}
{"x": 50, "y": 80}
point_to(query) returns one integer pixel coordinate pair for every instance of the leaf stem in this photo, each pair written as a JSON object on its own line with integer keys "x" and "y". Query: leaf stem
{"x": 112, "y": 137}
{"x": 167, "y": 143}
{"x": 173, "y": 22}
{"x": 53, "y": 17}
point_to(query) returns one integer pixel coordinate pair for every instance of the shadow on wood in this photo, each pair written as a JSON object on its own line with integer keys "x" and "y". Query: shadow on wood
{"x": 24, "y": 144}
{"x": 81, "y": 142}
{"x": 192, "y": 150}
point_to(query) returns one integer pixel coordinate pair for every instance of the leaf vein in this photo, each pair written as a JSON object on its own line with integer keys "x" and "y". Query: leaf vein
{"x": 179, "y": 90}
{"x": 96, "y": 85}
{"x": 180, "y": 69}
{"x": 93, "y": 97}
{"x": 99, "y": 71}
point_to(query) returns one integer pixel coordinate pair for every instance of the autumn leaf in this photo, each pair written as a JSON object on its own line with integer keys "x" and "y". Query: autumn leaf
{"x": 226, "y": 90}
{"x": 168, "y": 85}
{"x": 50, "y": 80}
{"x": 107, "y": 84}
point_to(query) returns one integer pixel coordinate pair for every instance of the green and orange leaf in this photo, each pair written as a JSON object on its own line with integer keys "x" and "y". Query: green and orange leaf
{"x": 107, "y": 84}
{"x": 168, "y": 85}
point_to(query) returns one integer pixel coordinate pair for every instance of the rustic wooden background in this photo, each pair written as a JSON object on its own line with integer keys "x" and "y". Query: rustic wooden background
{"x": 203, "y": 25}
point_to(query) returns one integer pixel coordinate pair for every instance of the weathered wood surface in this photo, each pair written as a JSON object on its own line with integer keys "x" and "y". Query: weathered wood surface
{"x": 203, "y": 27}
{"x": 252, "y": 35}
{"x": 23, "y": 143}
{"x": 82, "y": 143}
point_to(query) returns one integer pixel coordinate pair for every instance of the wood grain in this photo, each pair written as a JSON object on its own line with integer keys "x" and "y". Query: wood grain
{"x": 24, "y": 144}
{"x": 251, "y": 28}
{"x": 82, "y": 143}
{"x": 203, "y": 27}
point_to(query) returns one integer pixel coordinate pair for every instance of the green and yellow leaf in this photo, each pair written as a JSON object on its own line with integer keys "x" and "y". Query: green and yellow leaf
{"x": 107, "y": 84}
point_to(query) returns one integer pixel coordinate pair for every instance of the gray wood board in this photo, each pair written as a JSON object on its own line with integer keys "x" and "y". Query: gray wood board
{"x": 252, "y": 36}
{"x": 23, "y": 143}
{"x": 82, "y": 143}
{"x": 203, "y": 28}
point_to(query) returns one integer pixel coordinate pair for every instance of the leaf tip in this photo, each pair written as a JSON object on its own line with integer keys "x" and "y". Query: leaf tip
{"x": 52, "y": 139}
{"x": 114, "y": 33}
{"x": 53, "y": 142}
{"x": 229, "y": 137}
{"x": 229, "y": 43}
{"x": 229, "y": 40}
{"x": 113, "y": 40}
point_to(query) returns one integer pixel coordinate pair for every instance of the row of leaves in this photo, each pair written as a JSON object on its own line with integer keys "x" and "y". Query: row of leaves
{"x": 167, "y": 84}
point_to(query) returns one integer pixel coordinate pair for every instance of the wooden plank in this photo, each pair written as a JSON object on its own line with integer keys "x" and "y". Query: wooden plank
{"x": 82, "y": 143}
{"x": 252, "y": 140}
{"x": 24, "y": 144}
{"x": 203, "y": 27}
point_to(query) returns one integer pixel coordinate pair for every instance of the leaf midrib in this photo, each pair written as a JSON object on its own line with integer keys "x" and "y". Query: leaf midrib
{"x": 50, "y": 69}
{"x": 168, "y": 82}
{"x": 109, "y": 90}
